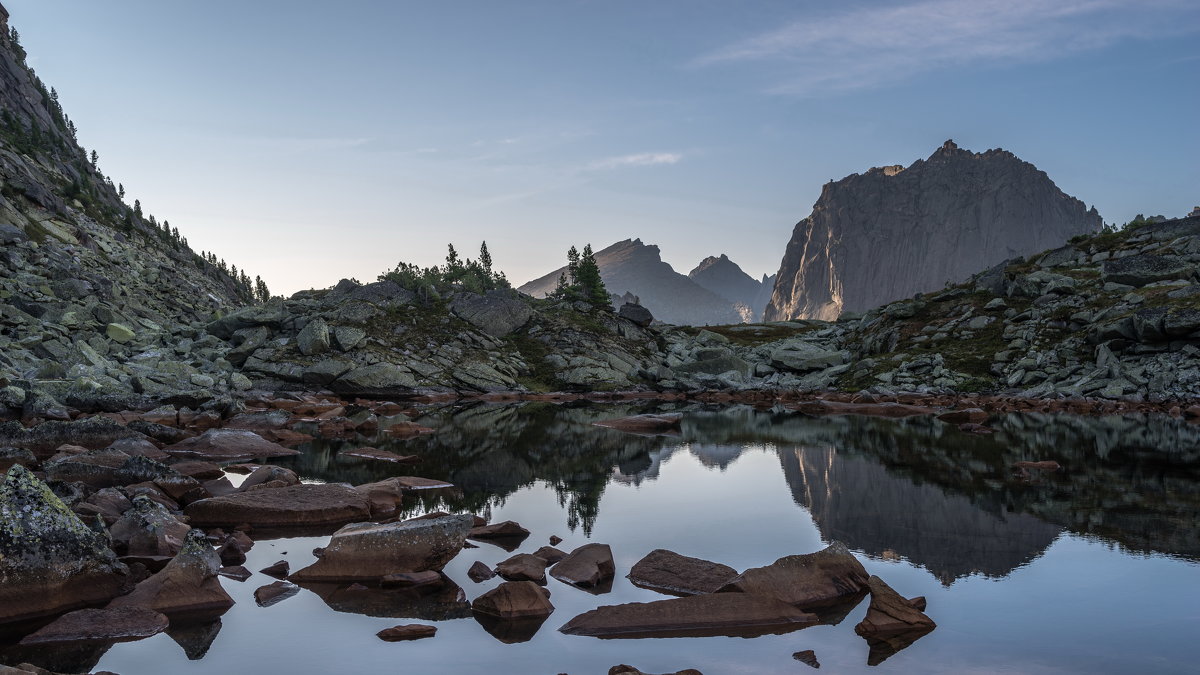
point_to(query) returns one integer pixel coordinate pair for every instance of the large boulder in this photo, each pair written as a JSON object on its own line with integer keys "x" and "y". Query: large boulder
{"x": 813, "y": 580}
{"x": 636, "y": 313}
{"x": 228, "y": 445}
{"x": 668, "y": 572}
{"x": 293, "y": 506}
{"x": 514, "y": 600}
{"x": 891, "y": 612}
{"x": 370, "y": 551}
{"x": 1139, "y": 270}
{"x": 187, "y": 586}
{"x": 380, "y": 379}
{"x": 523, "y": 567}
{"x": 692, "y": 616}
{"x": 803, "y": 357}
{"x": 313, "y": 338}
{"x": 148, "y": 529}
{"x": 588, "y": 566}
{"x": 50, "y": 561}
{"x": 498, "y": 313}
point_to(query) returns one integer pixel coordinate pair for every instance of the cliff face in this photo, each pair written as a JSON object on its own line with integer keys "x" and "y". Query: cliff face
{"x": 633, "y": 267}
{"x": 892, "y": 232}
{"x": 723, "y": 277}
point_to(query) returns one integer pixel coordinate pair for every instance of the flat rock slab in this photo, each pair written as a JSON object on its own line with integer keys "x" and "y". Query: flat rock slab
{"x": 588, "y": 566}
{"x": 514, "y": 600}
{"x": 733, "y": 614}
{"x": 293, "y": 506}
{"x": 228, "y": 445}
{"x": 274, "y": 593}
{"x": 523, "y": 567}
{"x": 644, "y": 424}
{"x": 412, "y": 631}
{"x": 502, "y": 530}
{"x": 371, "y": 551}
{"x": 812, "y": 580}
{"x": 379, "y": 455}
{"x": 100, "y": 625}
{"x": 669, "y": 572}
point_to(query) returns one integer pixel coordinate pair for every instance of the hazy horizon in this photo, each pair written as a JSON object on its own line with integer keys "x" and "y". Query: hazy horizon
{"x": 308, "y": 142}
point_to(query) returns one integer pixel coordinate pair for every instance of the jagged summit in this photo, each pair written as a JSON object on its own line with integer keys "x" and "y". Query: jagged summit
{"x": 725, "y": 278}
{"x": 893, "y": 231}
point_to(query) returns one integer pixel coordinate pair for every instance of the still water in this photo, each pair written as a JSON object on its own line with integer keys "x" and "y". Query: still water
{"x": 1093, "y": 569}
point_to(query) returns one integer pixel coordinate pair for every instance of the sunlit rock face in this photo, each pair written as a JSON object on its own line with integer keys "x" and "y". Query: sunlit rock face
{"x": 892, "y": 232}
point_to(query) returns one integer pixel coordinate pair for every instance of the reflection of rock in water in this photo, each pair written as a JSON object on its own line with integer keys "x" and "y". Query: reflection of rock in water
{"x": 441, "y": 604}
{"x": 65, "y": 658}
{"x": 858, "y": 501}
{"x": 195, "y": 637}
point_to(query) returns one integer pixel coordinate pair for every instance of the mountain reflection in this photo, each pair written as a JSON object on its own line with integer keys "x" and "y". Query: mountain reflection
{"x": 914, "y": 488}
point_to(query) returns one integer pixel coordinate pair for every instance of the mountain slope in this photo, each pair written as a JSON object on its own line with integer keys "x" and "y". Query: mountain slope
{"x": 725, "y": 278}
{"x": 633, "y": 267}
{"x": 891, "y": 232}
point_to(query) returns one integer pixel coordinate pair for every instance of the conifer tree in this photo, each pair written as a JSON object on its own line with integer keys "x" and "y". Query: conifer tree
{"x": 485, "y": 259}
{"x": 121, "y": 190}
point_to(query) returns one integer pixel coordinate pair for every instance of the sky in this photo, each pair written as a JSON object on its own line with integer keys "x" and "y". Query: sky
{"x": 308, "y": 142}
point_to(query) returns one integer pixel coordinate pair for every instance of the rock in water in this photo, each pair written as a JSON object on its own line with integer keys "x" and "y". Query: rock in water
{"x": 479, "y": 572}
{"x": 228, "y": 445}
{"x": 514, "y": 600}
{"x": 49, "y": 560}
{"x": 148, "y": 529}
{"x": 808, "y": 657}
{"x": 588, "y": 566}
{"x": 100, "y": 625}
{"x": 644, "y": 424}
{"x": 892, "y": 622}
{"x": 669, "y": 572}
{"x": 274, "y": 593}
{"x": 942, "y": 219}
{"x": 523, "y": 567}
{"x": 412, "y": 631}
{"x": 188, "y": 585}
{"x": 294, "y": 506}
{"x": 370, "y": 551}
{"x": 692, "y": 616}
{"x": 813, "y": 580}
{"x": 630, "y": 670}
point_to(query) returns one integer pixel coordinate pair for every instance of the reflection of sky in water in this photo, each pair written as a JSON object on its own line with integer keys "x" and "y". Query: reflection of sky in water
{"x": 1017, "y": 596}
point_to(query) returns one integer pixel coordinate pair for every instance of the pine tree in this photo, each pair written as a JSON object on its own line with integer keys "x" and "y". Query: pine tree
{"x": 137, "y": 208}
{"x": 121, "y": 190}
{"x": 485, "y": 259}
{"x": 452, "y": 260}
{"x": 573, "y": 265}
{"x": 591, "y": 285}
{"x": 95, "y": 158}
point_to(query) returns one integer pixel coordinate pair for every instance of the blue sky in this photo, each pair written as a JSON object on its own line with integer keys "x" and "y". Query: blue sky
{"x": 308, "y": 141}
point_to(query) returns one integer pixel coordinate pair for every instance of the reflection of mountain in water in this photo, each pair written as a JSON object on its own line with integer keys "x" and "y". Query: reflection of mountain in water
{"x": 858, "y": 501}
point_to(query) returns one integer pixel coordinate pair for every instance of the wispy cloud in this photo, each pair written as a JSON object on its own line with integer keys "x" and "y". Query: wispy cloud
{"x": 639, "y": 159}
{"x": 870, "y": 47}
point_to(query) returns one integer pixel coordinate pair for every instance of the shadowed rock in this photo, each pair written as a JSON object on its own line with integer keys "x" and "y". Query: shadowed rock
{"x": 148, "y": 529}
{"x": 514, "y": 600}
{"x": 893, "y": 622}
{"x": 588, "y": 566}
{"x": 274, "y": 593}
{"x": 412, "y": 631}
{"x": 428, "y": 603}
{"x": 370, "y": 551}
{"x": 523, "y": 567}
{"x": 228, "y": 445}
{"x": 99, "y": 625}
{"x": 194, "y": 637}
{"x": 808, "y": 581}
{"x": 732, "y": 614}
{"x": 188, "y": 585}
{"x": 668, "y": 572}
{"x": 294, "y": 506}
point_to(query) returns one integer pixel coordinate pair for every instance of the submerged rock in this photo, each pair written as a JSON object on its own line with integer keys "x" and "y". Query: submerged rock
{"x": 588, "y": 566}
{"x": 412, "y": 631}
{"x": 513, "y": 600}
{"x": 644, "y": 424}
{"x": 228, "y": 445}
{"x": 50, "y": 561}
{"x": 99, "y": 625}
{"x": 294, "y": 506}
{"x": 812, "y": 580}
{"x": 668, "y": 572}
{"x": 188, "y": 585}
{"x": 370, "y": 551}
{"x": 692, "y": 616}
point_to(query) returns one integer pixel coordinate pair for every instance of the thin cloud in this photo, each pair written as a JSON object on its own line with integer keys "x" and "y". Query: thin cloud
{"x": 871, "y": 47}
{"x": 639, "y": 159}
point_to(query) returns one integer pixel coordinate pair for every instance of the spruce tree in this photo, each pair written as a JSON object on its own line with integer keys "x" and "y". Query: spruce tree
{"x": 591, "y": 285}
{"x": 485, "y": 259}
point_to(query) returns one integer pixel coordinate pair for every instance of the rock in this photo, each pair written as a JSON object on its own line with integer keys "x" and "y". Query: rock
{"x": 198, "y": 469}
{"x": 314, "y": 338}
{"x": 550, "y": 554}
{"x": 348, "y": 337}
{"x": 498, "y": 313}
{"x": 278, "y": 569}
{"x": 50, "y": 562}
{"x": 412, "y": 631}
{"x": 630, "y": 670}
{"x": 108, "y": 503}
{"x": 892, "y": 622}
{"x": 11, "y": 456}
{"x": 692, "y": 616}
{"x": 428, "y": 579}
{"x": 1139, "y": 270}
{"x": 237, "y": 573}
{"x": 555, "y": 540}
{"x": 148, "y": 529}
{"x": 380, "y": 455}
{"x": 274, "y": 593}
{"x": 119, "y": 332}
{"x": 231, "y": 552}
{"x": 1045, "y": 465}
{"x": 228, "y": 445}
{"x": 370, "y": 551}
{"x": 588, "y": 566}
{"x": 812, "y": 580}
{"x": 803, "y": 357}
{"x": 667, "y": 571}
{"x": 97, "y": 468}
{"x": 505, "y": 529}
{"x": 636, "y": 313}
{"x": 965, "y": 416}
{"x": 514, "y": 599}
{"x": 99, "y": 625}
{"x": 269, "y": 473}
{"x": 523, "y": 567}
{"x": 380, "y": 379}
{"x": 188, "y": 585}
{"x": 293, "y": 506}
{"x": 808, "y": 657}
{"x": 479, "y": 572}
{"x": 644, "y": 424}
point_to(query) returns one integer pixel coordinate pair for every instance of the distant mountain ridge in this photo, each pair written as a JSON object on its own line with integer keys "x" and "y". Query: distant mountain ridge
{"x": 725, "y": 278}
{"x": 631, "y": 266}
{"x": 891, "y": 232}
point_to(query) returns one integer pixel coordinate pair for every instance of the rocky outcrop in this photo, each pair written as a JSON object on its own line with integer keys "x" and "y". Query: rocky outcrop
{"x": 633, "y": 267}
{"x": 891, "y": 232}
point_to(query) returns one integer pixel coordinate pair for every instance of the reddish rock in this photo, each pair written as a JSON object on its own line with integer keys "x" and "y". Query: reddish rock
{"x": 412, "y": 631}
{"x": 428, "y": 579}
{"x": 294, "y": 506}
{"x": 198, "y": 469}
{"x": 737, "y": 614}
{"x": 379, "y": 455}
{"x": 644, "y": 424}
{"x": 550, "y": 554}
{"x": 274, "y": 593}
{"x": 507, "y": 528}
{"x": 892, "y": 622}
{"x": 555, "y": 540}
{"x": 139, "y": 447}
{"x": 479, "y": 572}
{"x": 148, "y": 529}
{"x": 668, "y": 572}
{"x": 588, "y": 566}
{"x": 187, "y": 585}
{"x": 513, "y": 600}
{"x": 231, "y": 553}
{"x": 279, "y": 569}
{"x": 808, "y": 657}
{"x": 99, "y": 625}
{"x": 237, "y": 573}
{"x": 523, "y": 567}
{"x": 370, "y": 551}
{"x": 108, "y": 503}
{"x": 1047, "y": 465}
{"x": 268, "y": 473}
{"x": 228, "y": 445}
{"x": 964, "y": 416}
{"x": 813, "y": 580}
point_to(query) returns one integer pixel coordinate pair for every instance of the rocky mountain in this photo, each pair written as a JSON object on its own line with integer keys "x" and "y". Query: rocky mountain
{"x": 892, "y": 232}
{"x": 723, "y": 277}
{"x": 93, "y": 295}
{"x": 633, "y": 267}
